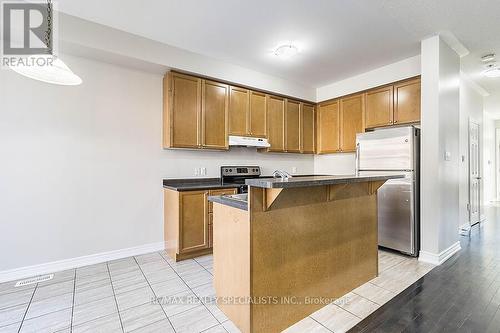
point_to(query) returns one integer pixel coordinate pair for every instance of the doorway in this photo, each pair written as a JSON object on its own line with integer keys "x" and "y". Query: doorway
{"x": 474, "y": 174}
{"x": 497, "y": 165}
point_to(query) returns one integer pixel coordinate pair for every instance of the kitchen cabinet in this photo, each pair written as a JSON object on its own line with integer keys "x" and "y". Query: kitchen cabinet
{"x": 239, "y": 104}
{"x": 194, "y": 112}
{"x": 351, "y": 121}
{"x": 292, "y": 126}
{"x": 214, "y": 115}
{"x": 396, "y": 104}
{"x": 247, "y": 113}
{"x": 407, "y": 101}
{"x": 328, "y": 127}
{"x": 193, "y": 220}
{"x": 308, "y": 137}
{"x": 258, "y": 118}
{"x": 276, "y": 123}
{"x": 379, "y": 105}
{"x": 188, "y": 222}
{"x": 182, "y": 110}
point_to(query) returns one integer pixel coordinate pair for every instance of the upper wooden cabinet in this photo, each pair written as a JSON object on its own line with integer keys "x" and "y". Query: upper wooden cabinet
{"x": 407, "y": 102}
{"x": 239, "y": 104}
{"x": 258, "y": 118}
{"x": 308, "y": 129}
{"x": 379, "y": 106}
{"x": 181, "y": 111}
{"x": 214, "y": 115}
{"x": 328, "y": 127}
{"x": 194, "y": 112}
{"x": 351, "y": 121}
{"x": 292, "y": 126}
{"x": 393, "y": 105}
{"x": 276, "y": 123}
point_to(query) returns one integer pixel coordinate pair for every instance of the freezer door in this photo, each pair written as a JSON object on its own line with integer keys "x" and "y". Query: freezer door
{"x": 386, "y": 149}
{"x": 396, "y": 214}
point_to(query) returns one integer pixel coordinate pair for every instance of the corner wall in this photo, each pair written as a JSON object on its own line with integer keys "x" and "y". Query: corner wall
{"x": 440, "y": 135}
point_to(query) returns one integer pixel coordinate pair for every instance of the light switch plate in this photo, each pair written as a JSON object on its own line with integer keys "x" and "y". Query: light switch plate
{"x": 447, "y": 156}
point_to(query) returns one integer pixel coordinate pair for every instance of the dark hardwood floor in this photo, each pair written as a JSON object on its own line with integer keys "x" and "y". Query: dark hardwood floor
{"x": 462, "y": 295}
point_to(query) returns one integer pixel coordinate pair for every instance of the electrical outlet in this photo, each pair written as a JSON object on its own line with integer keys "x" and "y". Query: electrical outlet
{"x": 203, "y": 171}
{"x": 196, "y": 172}
{"x": 294, "y": 169}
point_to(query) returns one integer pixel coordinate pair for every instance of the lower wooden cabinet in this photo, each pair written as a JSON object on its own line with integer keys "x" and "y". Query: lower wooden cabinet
{"x": 188, "y": 222}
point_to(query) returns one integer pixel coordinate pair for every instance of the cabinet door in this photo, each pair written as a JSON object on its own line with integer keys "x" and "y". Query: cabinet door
{"x": 276, "y": 123}
{"x": 258, "y": 127}
{"x": 238, "y": 111}
{"x": 292, "y": 125}
{"x": 407, "y": 102}
{"x": 328, "y": 133}
{"x": 214, "y": 115}
{"x": 308, "y": 135}
{"x": 379, "y": 107}
{"x": 352, "y": 121}
{"x": 182, "y": 111}
{"x": 193, "y": 231}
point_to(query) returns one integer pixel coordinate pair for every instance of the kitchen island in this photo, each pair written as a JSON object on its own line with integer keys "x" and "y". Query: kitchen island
{"x": 297, "y": 245}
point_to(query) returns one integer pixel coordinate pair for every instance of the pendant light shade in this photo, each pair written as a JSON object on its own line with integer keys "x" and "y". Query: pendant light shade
{"x": 47, "y": 68}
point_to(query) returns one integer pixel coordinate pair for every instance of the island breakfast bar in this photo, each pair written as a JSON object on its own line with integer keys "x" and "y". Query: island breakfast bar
{"x": 294, "y": 247}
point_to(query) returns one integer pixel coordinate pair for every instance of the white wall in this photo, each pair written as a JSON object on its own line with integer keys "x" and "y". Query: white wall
{"x": 471, "y": 109}
{"x": 393, "y": 72}
{"x": 440, "y": 134}
{"x": 345, "y": 163}
{"x": 82, "y": 167}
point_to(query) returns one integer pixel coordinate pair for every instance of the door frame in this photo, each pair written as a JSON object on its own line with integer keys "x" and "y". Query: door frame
{"x": 471, "y": 121}
{"x": 497, "y": 163}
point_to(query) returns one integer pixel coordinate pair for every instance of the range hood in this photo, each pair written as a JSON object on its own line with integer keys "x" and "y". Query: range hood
{"x": 245, "y": 141}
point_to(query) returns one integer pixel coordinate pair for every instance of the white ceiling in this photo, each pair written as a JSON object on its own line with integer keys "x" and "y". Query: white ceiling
{"x": 338, "y": 38}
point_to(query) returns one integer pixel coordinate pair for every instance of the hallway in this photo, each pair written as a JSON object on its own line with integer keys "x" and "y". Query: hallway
{"x": 462, "y": 295}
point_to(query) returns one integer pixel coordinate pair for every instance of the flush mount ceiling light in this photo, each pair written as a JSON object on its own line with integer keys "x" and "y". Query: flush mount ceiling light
{"x": 47, "y": 67}
{"x": 488, "y": 57}
{"x": 492, "y": 71}
{"x": 286, "y": 51}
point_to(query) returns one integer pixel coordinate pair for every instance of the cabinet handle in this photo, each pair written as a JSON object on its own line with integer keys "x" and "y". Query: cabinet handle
{"x": 395, "y": 121}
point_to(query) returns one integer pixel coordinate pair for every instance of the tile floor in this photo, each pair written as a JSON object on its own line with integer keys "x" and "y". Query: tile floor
{"x": 152, "y": 293}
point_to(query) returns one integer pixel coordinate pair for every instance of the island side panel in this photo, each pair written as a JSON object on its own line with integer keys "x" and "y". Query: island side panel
{"x": 231, "y": 251}
{"x": 320, "y": 248}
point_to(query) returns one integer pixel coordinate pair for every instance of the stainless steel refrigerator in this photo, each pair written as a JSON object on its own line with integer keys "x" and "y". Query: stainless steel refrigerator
{"x": 394, "y": 151}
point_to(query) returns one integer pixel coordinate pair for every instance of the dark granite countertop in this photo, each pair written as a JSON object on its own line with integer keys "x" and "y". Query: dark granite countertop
{"x": 225, "y": 200}
{"x": 316, "y": 180}
{"x": 192, "y": 184}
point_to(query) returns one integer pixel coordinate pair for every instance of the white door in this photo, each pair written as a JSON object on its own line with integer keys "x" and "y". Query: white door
{"x": 474, "y": 174}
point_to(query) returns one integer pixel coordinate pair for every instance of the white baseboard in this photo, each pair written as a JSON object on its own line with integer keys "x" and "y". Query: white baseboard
{"x": 61, "y": 265}
{"x": 439, "y": 258}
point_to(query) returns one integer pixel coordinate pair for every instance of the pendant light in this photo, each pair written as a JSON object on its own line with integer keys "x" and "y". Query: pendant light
{"x": 47, "y": 67}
